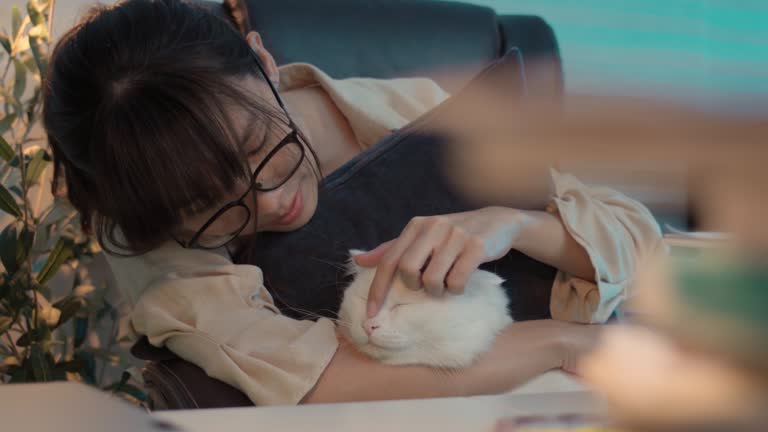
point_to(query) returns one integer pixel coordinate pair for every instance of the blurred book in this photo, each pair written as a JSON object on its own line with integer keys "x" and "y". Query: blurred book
{"x": 555, "y": 423}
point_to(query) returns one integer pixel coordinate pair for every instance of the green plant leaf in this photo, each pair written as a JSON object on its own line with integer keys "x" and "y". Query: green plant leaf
{"x": 17, "y": 191}
{"x": 122, "y": 386}
{"x": 5, "y": 323}
{"x": 80, "y": 330}
{"x": 15, "y": 21}
{"x": 39, "y": 31}
{"x": 20, "y": 79}
{"x": 17, "y": 373}
{"x": 8, "y": 369}
{"x": 6, "y": 123}
{"x": 5, "y": 351}
{"x": 24, "y": 340}
{"x": 70, "y": 366}
{"x": 15, "y": 246}
{"x": 15, "y": 161}
{"x": 59, "y": 210}
{"x": 68, "y": 307}
{"x": 106, "y": 310}
{"x": 8, "y": 203}
{"x": 61, "y": 252}
{"x": 29, "y": 62}
{"x": 58, "y": 375}
{"x": 26, "y": 239}
{"x": 40, "y": 58}
{"x": 8, "y": 241}
{"x": 31, "y": 105}
{"x": 36, "y": 167}
{"x": 11, "y": 99}
{"x": 5, "y": 42}
{"x": 39, "y": 363}
{"x": 128, "y": 389}
{"x": 6, "y": 151}
{"x": 35, "y": 336}
{"x": 34, "y": 15}
{"x": 88, "y": 372}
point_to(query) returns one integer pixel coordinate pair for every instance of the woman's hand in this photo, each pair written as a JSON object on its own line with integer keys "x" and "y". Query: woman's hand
{"x": 439, "y": 253}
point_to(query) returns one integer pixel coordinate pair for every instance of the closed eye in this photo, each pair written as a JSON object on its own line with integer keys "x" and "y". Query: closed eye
{"x": 261, "y": 143}
{"x": 399, "y": 305}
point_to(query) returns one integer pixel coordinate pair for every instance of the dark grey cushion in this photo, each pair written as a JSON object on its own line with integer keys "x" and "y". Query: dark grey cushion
{"x": 370, "y": 200}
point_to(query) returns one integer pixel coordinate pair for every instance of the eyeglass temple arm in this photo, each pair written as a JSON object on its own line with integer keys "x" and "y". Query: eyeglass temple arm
{"x": 273, "y": 89}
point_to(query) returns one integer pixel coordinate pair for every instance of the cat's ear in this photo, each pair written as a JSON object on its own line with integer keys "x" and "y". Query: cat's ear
{"x": 352, "y": 265}
{"x": 485, "y": 277}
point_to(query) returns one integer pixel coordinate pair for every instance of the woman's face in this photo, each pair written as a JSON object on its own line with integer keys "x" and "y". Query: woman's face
{"x": 286, "y": 208}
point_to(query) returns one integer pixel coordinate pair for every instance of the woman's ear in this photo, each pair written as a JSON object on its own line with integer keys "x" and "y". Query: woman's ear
{"x": 270, "y": 67}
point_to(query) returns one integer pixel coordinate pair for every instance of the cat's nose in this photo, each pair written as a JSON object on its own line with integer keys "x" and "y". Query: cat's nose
{"x": 369, "y": 326}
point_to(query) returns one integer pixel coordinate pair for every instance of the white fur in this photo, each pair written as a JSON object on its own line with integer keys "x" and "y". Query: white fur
{"x": 446, "y": 332}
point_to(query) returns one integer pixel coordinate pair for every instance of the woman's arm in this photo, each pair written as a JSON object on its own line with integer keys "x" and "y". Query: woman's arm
{"x": 439, "y": 253}
{"x": 522, "y": 351}
{"x": 544, "y": 238}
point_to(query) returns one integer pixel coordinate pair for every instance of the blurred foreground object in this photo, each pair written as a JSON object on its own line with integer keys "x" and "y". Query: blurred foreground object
{"x": 701, "y": 360}
{"x": 503, "y": 148}
{"x": 696, "y": 356}
{"x": 652, "y": 382}
{"x": 72, "y": 407}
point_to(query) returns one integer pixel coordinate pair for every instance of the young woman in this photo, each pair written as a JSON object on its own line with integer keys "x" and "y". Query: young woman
{"x": 174, "y": 144}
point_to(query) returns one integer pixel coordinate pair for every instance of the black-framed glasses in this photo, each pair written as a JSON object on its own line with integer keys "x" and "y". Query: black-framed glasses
{"x": 286, "y": 158}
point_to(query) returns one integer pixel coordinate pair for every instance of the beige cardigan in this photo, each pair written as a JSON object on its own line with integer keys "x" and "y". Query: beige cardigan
{"x": 219, "y": 316}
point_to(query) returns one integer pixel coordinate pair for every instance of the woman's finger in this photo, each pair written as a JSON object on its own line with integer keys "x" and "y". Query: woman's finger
{"x": 415, "y": 258}
{"x": 470, "y": 259}
{"x": 387, "y": 267}
{"x": 373, "y": 256}
{"x": 442, "y": 260}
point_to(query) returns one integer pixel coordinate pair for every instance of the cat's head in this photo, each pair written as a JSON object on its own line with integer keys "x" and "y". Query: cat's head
{"x": 413, "y": 325}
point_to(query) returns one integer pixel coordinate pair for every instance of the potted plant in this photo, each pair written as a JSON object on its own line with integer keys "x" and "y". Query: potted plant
{"x": 45, "y": 335}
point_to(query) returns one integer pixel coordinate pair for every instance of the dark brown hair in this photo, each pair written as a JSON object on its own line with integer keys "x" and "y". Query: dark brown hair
{"x": 134, "y": 109}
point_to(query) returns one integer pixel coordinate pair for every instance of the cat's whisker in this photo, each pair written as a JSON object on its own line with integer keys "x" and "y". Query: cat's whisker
{"x": 342, "y": 323}
{"x": 308, "y": 313}
{"x": 335, "y": 265}
{"x": 305, "y": 312}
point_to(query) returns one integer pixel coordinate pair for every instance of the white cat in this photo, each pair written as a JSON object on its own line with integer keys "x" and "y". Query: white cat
{"x": 414, "y": 327}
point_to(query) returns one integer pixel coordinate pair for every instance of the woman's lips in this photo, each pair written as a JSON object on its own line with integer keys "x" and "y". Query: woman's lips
{"x": 297, "y": 205}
